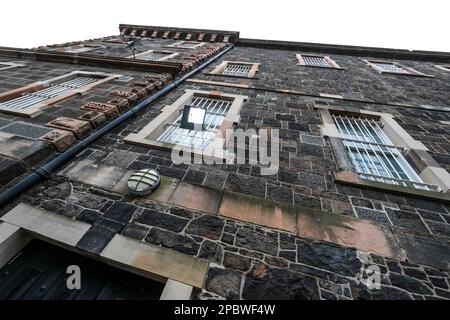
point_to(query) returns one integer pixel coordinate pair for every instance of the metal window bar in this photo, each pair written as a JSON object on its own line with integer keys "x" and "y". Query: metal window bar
{"x": 153, "y": 56}
{"x": 316, "y": 61}
{"x": 237, "y": 69}
{"x": 187, "y": 44}
{"x": 29, "y": 99}
{"x": 216, "y": 110}
{"x": 373, "y": 154}
{"x": 390, "y": 67}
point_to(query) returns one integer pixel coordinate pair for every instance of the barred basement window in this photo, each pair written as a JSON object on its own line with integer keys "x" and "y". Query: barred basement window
{"x": 373, "y": 154}
{"x": 221, "y": 112}
{"x": 316, "y": 61}
{"x": 29, "y": 100}
{"x": 186, "y": 45}
{"x": 394, "y": 68}
{"x": 236, "y": 69}
{"x": 9, "y": 65}
{"x": 153, "y": 55}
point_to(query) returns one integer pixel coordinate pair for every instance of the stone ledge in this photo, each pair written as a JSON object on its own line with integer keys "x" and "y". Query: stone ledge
{"x": 135, "y": 256}
{"x": 352, "y": 179}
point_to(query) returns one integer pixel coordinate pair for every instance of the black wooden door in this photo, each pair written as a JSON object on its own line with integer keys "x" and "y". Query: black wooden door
{"x": 39, "y": 273}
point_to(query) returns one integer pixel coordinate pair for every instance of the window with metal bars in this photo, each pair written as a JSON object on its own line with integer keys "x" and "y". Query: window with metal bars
{"x": 316, "y": 61}
{"x": 390, "y": 67}
{"x": 27, "y": 100}
{"x": 373, "y": 154}
{"x": 216, "y": 111}
{"x": 394, "y": 68}
{"x": 186, "y": 44}
{"x": 153, "y": 55}
{"x": 237, "y": 69}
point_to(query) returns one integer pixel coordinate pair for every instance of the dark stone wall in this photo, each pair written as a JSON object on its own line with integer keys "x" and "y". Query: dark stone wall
{"x": 253, "y": 262}
{"x": 279, "y": 70}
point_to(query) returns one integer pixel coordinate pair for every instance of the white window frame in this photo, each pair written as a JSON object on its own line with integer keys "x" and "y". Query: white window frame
{"x": 220, "y": 69}
{"x": 331, "y": 63}
{"x": 408, "y": 71}
{"x": 427, "y": 169}
{"x": 149, "y": 135}
{"x": 35, "y": 109}
{"x": 179, "y": 45}
{"x": 168, "y": 55}
{"x": 374, "y": 156}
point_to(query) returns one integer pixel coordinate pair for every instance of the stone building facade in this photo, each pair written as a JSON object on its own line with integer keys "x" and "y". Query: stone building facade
{"x": 311, "y": 230}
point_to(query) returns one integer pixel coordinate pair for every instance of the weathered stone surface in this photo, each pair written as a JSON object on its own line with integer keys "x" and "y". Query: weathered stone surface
{"x": 78, "y": 127}
{"x": 277, "y": 262}
{"x": 172, "y": 240}
{"x": 361, "y": 292}
{"x": 28, "y": 151}
{"x": 96, "y": 119}
{"x": 266, "y": 283}
{"x": 162, "y": 220}
{"x": 206, "y": 226}
{"x": 224, "y": 282}
{"x": 409, "y": 284}
{"x": 86, "y": 200}
{"x": 62, "y": 207}
{"x": 96, "y": 239}
{"x": 112, "y": 225}
{"x": 255, "y": 241}
{"x": 88, "y": 216}
{"x": 60, "y": 191}
{"x": 196, "y": 198}
{"x": 425, "y": 250}
{"x": 60, "y": 139}
{"x": 135, "y": 231}
{"x": 324, "y": 256}
{"x": 246, "y": 185}
{"x": 111, "y": 111}
{"x": 10, "y": 169}
{"x": 289, "y": 255}
{"x": 121, "y": 212}
{"x": 374, "y": 215}
{"x": 406, "y": 219}
{"x": 211, "y": 251}
{"x": 236, "y": 262}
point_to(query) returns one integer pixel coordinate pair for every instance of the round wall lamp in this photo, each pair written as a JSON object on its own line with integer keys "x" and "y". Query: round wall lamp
{"x": 143, "y": 182}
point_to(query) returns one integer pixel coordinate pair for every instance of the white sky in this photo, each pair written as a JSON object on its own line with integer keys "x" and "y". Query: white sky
{"x": 405, "y": 24}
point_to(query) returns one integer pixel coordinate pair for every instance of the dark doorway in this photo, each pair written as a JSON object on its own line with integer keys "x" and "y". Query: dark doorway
{"x": 39, "y": 273}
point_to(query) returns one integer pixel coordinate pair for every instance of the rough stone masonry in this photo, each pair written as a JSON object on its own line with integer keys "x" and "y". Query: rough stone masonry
{"x": 297, "y": 234}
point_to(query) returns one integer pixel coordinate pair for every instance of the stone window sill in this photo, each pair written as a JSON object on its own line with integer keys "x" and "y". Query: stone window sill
{"x": 351, "y": 178}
